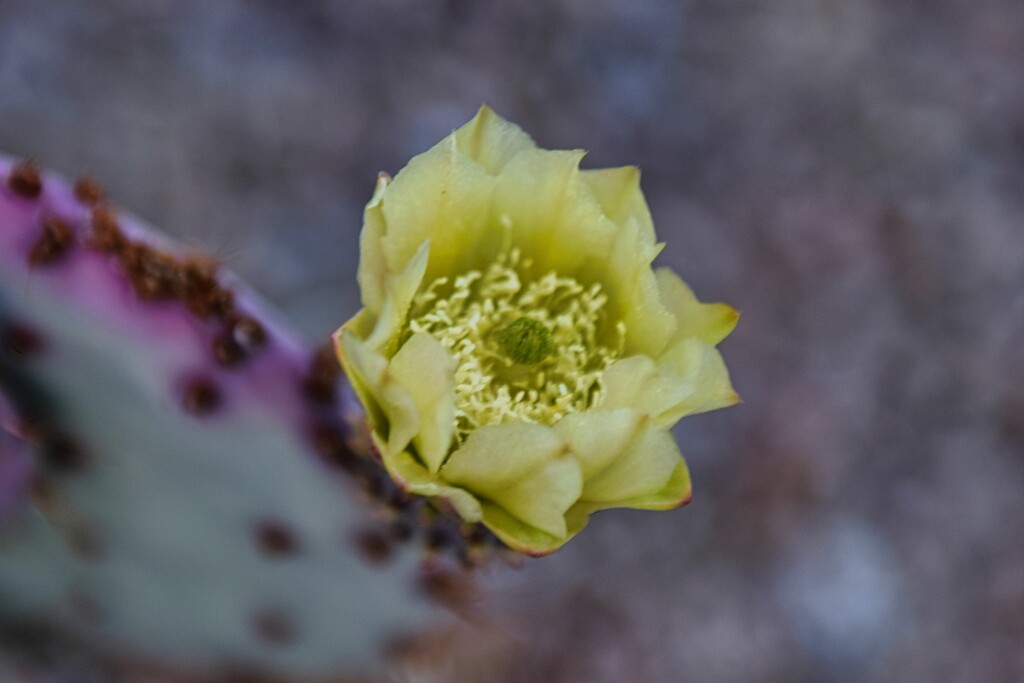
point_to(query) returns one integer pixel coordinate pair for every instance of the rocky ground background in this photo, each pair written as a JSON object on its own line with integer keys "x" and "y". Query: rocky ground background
{"x": 849, "y": 175}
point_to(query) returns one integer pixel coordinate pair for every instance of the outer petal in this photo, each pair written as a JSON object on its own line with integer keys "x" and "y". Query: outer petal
{"x": 598, "y": 437}
{"x": 427, "y": 372}
{"x": 442, "y": 195}
{"x": 623, "y": 457}
{"x": 634, "y": 292}
{"x": 525, "y": 469}
{"x": 359, "y": 326}
{"x": 373, "y": 269}
{"x": 710, "y": 323}
{"x": 618, "y": 191}
{"x": 491, "y": 141}
{"x": 400, "y": 291}
{"x": 676, "y": 492}
{"x": 523, "y": 537}
{"x": 689, "y": 378}
{"x": 702, "y": 367}
{"x": 642, "y": 469}
{"x": 638, "y": 383}
{"x": 413, "y": 477}
{"x": 394, "y": 419}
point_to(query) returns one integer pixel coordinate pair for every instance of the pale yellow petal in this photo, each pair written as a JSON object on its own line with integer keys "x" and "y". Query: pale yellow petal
{"x": 373, "y": 268}
{"x": 542, "y": 498}
{"x": 491, "y": 141}
{"x": 394, "y": 418}
{"x": 409, "y": 473}
{"x": 550, "y": 213}
{"x": 445, "y": 197}
{"x": 702, "y": 368}
{"x": 401, "y": 289}
{"x": 689, "y": 378}
{"x": 524, "y": 468}
{"x": 598, "y": 437}
{"x": 638, "y": 383}
{"x": 635, "y": 298}
{"x": 618, "y": 191}
{"x": 519, "y": 535}
{"x": 357, "y": 327}
{"x": 497, "y": 456}
{"x": 427, "y": 372}
{"x": 642, "y": 469}
{"x": 710, "y": 323}
{"x": 676, "y": 492}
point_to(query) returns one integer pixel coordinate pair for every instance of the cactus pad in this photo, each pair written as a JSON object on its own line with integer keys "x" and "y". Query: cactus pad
{"x": 194, "y": 500}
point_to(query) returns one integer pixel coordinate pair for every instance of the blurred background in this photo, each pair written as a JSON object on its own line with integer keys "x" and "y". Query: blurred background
{"x": 850, "y": 175}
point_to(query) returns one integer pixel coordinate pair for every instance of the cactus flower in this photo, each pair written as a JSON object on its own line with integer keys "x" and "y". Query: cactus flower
{"x": 516, "y": 353}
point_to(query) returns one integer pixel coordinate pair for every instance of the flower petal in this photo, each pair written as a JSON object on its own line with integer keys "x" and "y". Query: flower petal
{"x": 358, "y": 327}
{"x": 519, "y": 535}
{"x": 551, "y": 213}
{"x": 676, "y": 492}
{"x": 373, "y": 269}
{"x": 491, "y": 141}
{"x": 642, "y": 469}
{"x": 445, "y": 197}
{"x": 702, "y": 367}
{"x": 710, "y": 323}
{"x": 400, "y": 292}
{"x": 637, "y": 383}
{"x": 390, "y": 409}
{"x": 412, "y": 476}
{"x": 618, "y": 191}
{"x": 526, "y": 469}
{"x": 598, "y": 437}
{"x": 427, "y": 372}
{"x": 689, "y": 378}
{"x": 635, "y": 299}
{"x": 622, "y": 455}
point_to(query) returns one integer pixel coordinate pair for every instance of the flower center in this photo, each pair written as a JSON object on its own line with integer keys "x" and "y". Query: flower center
{"x": 526, "y": 348}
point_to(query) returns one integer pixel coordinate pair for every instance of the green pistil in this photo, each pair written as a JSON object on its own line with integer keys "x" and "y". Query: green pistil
{"x": 526, "y": 341}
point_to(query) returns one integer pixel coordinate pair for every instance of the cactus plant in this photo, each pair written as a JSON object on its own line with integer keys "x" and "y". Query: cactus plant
{"x": 195, "y": 498}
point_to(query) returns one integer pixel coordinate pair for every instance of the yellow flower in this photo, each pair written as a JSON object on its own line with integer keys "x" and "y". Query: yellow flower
{"x": 516, "y": 353}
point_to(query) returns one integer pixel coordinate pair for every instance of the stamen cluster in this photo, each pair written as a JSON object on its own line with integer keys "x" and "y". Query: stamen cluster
{"x": 469, "y": 315}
